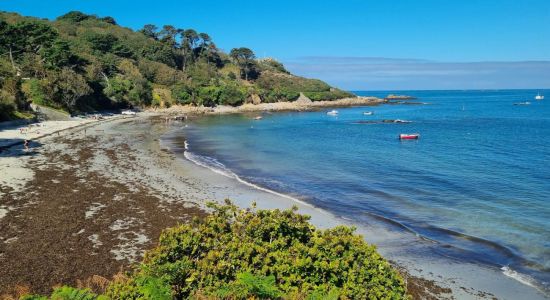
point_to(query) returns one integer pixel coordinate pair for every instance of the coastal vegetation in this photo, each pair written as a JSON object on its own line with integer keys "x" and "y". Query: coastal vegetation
{"x": 82, "y": 62}
{"x": 253, "y": 254}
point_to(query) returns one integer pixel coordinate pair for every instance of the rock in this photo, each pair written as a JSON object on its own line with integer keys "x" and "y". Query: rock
{"x": 303, "y": 100}
{"x": 399, "y": 97}
{"x": 255, "y": 99}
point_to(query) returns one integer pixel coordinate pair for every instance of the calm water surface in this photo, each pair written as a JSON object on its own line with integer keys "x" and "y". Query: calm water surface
{"x": 477, "y": 181}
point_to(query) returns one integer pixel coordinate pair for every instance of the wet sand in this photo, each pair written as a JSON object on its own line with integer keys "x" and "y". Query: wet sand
{"x": 89, "y": 204}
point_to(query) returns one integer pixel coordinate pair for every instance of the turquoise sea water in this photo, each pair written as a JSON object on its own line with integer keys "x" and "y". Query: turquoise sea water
{"x": 477, "y": 181}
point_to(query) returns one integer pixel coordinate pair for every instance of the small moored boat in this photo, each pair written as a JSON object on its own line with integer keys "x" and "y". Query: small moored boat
{"x": 522, "y": 103}
{"x": 258, "y": 118}
{"x": 332, "y": 113}
{"x": 409, "y": 136}
{"x": 368, "y": 113}
{"x": 539, "y": 97}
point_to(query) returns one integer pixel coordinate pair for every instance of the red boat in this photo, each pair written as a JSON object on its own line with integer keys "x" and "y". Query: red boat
{"x": 409, "y": 136}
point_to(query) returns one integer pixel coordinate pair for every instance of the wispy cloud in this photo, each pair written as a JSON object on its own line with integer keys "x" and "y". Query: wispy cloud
{"x": 402, "y": 73}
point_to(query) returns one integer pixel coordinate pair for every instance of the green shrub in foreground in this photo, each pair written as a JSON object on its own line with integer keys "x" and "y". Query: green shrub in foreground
{"x": 267, "y": 254}
{"x": 247, "y": 254}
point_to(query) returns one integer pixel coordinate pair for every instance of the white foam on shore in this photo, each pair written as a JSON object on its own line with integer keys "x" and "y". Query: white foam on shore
{"x": 525, "y": 279}
{"x": 222, "y": 170}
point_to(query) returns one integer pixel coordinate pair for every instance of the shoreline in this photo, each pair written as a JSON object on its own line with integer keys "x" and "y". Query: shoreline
{"x": 298, "y": 105}
{"x": 146, "y": 175}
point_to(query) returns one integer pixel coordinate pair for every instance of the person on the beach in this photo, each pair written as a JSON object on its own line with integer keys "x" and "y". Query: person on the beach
{"x": 26, "y": 144}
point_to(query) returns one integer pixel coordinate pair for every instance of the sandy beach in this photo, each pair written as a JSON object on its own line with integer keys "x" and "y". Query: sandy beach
{"x": 91, "y": 199}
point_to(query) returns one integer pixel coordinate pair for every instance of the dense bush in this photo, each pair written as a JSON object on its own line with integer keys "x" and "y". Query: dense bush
{"x": 279, "y": 94}
{"x": 236, "y": 254}
{"x": 183, "y": 93}
{"x": 327, "y": 95}
{"x": 7, "y": 108}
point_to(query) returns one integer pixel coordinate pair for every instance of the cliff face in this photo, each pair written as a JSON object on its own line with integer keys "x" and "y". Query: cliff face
{"x": 82, "y": 62}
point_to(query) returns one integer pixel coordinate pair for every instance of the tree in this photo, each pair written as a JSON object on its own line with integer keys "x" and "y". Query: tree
{"x": 101, "y": 42}
{"x": 168, "y": 35}
{"x": 150, "y": 30}
{"x": 8, "y": 41}
{"x": 244, "y": 58}
{"x": 60, "y": 55}
{"x": 188, "y": 39}
{"x": 158, "y": 52}
{"x": 122, "y": 50}
{"x": 109, "y": 20}
{"x": 68, "y": 87}
{"x": 74, "y": 16}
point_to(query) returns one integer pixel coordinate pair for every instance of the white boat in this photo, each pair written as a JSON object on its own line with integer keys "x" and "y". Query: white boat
{"x": 539, "y": 97}
{"x": 128, "y": 112}
{"x": 258, "y": 118}
{"x": 368, "y": 113}
{"x": 332, "y": 113}
{"x": 522, "y": 103}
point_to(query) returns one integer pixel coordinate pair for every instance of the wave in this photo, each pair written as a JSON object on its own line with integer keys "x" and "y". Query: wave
{"x": 523, "y": 278}
{"x": 504, "y": 252}
{"x": 219, "y": 168}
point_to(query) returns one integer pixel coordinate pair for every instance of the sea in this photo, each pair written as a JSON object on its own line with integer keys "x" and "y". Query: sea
{"x": 476, "y": 182}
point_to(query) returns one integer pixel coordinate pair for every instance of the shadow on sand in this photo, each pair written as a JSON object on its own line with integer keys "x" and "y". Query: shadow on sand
{"x": 16, "y": 147}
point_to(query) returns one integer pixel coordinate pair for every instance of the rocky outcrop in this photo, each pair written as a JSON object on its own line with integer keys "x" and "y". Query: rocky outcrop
{"x": 303, "y": 100}
{"x": 399, "y": 97}
{"x": 254, "y": 99}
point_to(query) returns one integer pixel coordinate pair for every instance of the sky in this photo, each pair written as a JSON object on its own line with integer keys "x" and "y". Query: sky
{"x": 359, "y": 44}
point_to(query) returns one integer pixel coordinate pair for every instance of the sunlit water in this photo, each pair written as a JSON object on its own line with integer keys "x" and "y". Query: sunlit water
{"x": 477, "y": 181}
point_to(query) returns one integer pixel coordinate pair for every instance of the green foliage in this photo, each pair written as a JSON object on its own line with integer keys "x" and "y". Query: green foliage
{"x": 82, "y": 61}
{"x": 138, "y": 91}
{"x": 183, "y": 94}
{"x": 327, "y": 95}
{"x": 244, "y": 58}
{"x": 67, "y": 293}
{"x": 333, "y": 294}
{"x": 232, "y": 94}
{"x": 159, "y": 53}
{"x": 141, "y": 287}
{"x": 209, "y": 95}
{"x": 273, "y": 65}
{"x": 74, "y": 16}
{"x": 248, "y": 285}
{"x": 101, "y": 42}
{"x": 279, "y": 94}
{"x": 109, "y": 20}
{"x": 35, "y": 92}
{"x": 302, "y": 260}
{"x": 60, "y": 55}
{"x": 67, "y": 87}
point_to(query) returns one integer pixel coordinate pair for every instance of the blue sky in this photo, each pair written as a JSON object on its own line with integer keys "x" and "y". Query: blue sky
{"x": 360, "y": 44}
